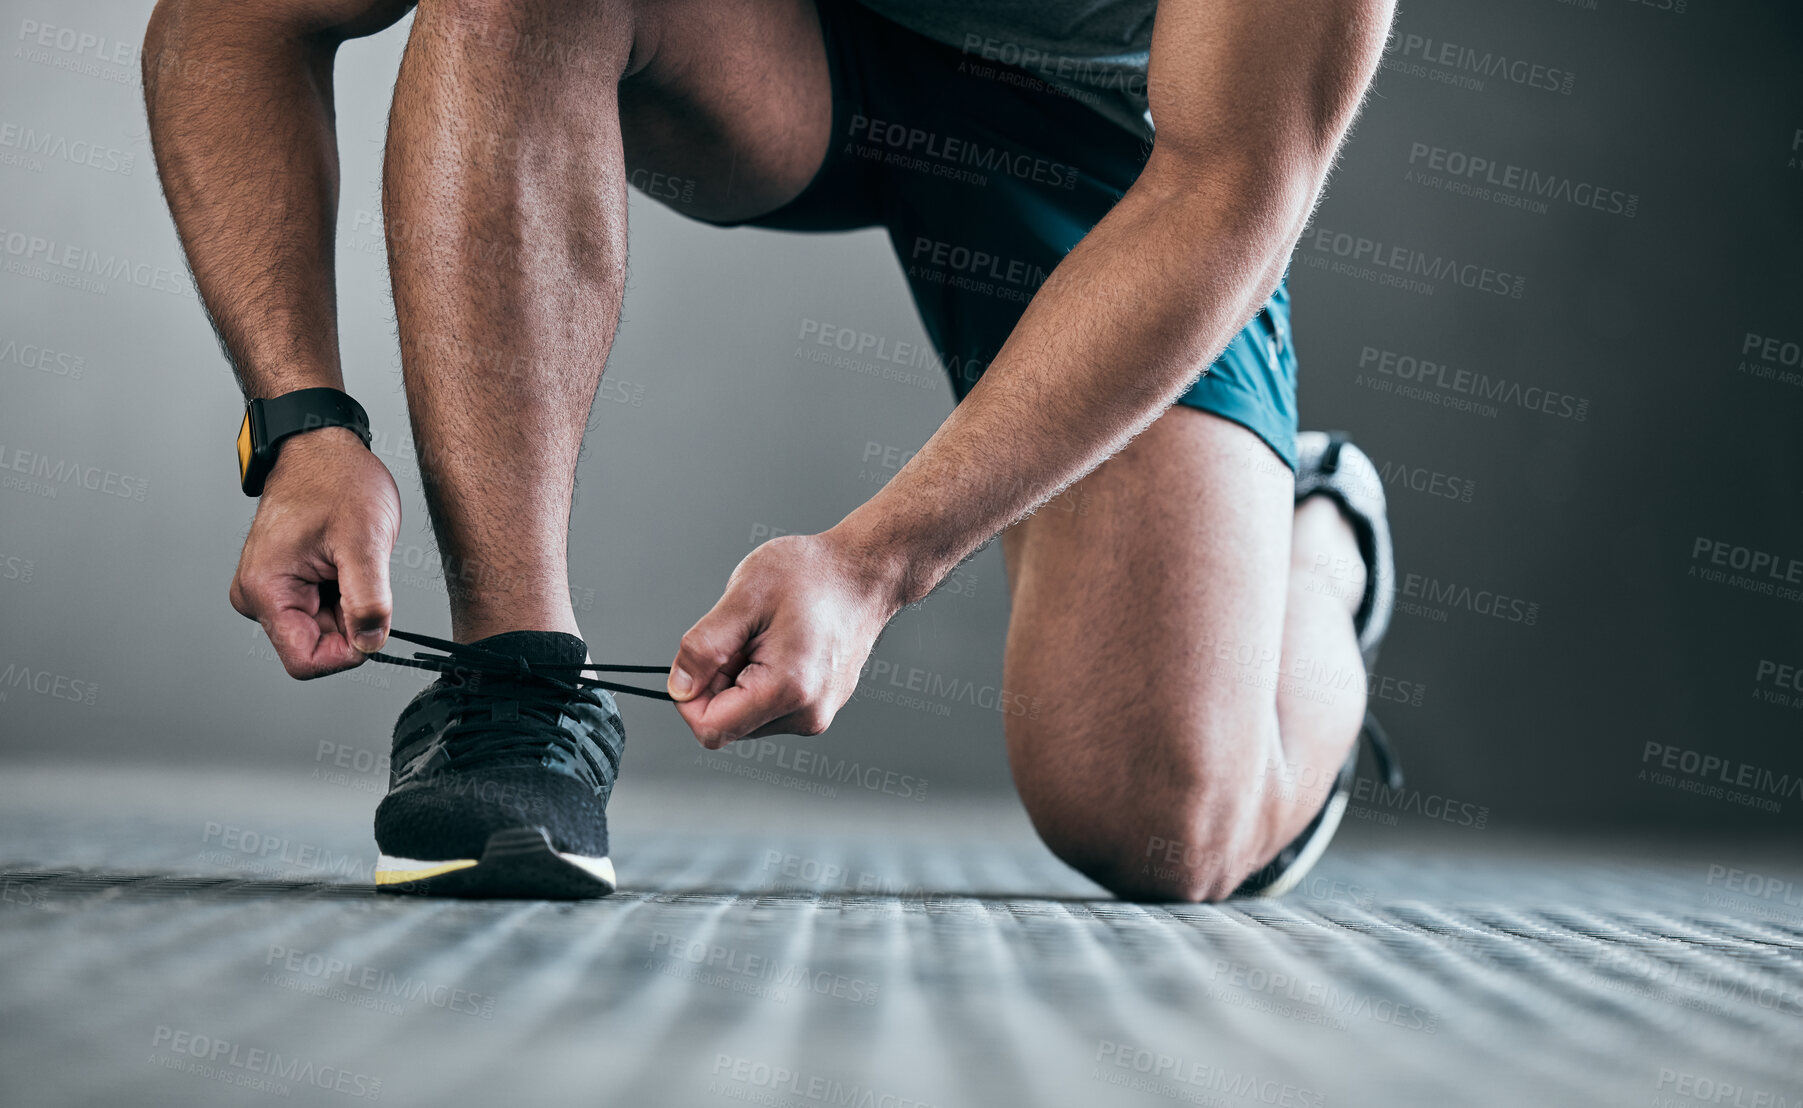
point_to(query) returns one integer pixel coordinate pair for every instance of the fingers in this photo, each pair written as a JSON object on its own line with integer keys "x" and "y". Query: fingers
{"x": 321, "y": 615}
{"x": 714, "y": 648}
{"x": 781, "y": 690}
{"x": 303, "y": 631}
{"x": 365, "y": 604}
{"x": 309, "y": 645}
{"x": 780, "y": 652}
{"x": 733, "y": 675}
{"x": 761, "y": 700}
{"x": 314, "y": 571}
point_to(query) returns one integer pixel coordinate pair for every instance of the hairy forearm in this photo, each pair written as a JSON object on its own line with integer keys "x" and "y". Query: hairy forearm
{"x": 241, "y": 122}
{"x": 1252, "y": 103}
{"x": 1125, "y": 324}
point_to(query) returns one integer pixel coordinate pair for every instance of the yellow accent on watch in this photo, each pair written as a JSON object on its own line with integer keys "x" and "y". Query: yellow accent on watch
{"x": 270, "y": 420}
{"x": 244, "y": 447}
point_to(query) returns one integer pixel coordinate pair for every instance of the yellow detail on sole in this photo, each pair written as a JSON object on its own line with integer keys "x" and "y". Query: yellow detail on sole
{"x": 406, "y": 876}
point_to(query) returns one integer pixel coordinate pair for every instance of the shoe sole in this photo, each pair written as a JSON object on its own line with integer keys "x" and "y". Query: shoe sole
{"x": 1319, "y": 836}
{"x": 1317, "y": 846}
{"x": 519, "y": 863}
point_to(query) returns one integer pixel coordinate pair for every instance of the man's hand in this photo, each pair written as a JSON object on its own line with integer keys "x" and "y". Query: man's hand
{"x": 782, "y": 650}
{"x": 314, "y": 571}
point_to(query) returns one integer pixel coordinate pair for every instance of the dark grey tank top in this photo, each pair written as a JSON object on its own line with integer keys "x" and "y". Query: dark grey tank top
{"x": 1094, "y": 50}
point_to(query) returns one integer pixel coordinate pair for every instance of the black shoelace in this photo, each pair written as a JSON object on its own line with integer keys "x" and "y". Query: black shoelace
{"x": 463, "y": 658}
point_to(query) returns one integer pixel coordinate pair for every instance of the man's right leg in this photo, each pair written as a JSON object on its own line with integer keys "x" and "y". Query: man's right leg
{"x": 515, "y": 125}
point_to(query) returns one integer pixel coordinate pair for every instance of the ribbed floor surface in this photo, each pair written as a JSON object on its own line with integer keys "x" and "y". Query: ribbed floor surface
{"x": 863, "y": 956}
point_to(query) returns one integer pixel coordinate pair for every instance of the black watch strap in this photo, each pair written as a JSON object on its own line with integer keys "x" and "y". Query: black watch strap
{"x": 268, "y": 421}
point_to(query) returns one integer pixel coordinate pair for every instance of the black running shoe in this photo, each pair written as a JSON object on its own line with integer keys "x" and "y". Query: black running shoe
{"x": 501, "y": 773}
{"x": 1329, "y": 465}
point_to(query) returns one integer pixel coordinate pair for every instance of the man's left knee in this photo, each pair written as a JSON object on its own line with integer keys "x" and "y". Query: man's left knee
{"x": 1199, "y": 866}
{"x": 1185, "y": 845}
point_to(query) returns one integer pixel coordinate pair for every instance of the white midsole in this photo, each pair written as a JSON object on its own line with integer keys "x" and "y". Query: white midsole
{"x": 1317, "y": 846}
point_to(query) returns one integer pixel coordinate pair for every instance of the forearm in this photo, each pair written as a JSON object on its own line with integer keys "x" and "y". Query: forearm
{"x": 241, "y": 121}
{"x": 1125, "y": 324}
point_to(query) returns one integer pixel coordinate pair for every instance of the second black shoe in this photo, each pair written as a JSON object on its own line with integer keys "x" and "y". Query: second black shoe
{"x": 501, "y": 773}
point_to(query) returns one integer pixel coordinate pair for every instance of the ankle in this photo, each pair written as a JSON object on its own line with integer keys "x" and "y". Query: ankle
{"x": 495, "y": 616}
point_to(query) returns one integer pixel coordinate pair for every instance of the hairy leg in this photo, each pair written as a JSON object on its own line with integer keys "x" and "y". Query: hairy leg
{"x": 514, "y": 124}
{"x": 1193, "y": 687}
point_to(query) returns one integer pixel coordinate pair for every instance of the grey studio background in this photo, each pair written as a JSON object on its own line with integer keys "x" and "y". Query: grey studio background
{"x": 1604, "y": 419}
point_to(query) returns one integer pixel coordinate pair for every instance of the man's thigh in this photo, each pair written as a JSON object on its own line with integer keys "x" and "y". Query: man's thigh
{"x": 1146, "y": 635}
{"x": 726, "y": 106}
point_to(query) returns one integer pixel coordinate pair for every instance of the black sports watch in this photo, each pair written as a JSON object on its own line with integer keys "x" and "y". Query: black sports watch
{"x": 268, "y": 422}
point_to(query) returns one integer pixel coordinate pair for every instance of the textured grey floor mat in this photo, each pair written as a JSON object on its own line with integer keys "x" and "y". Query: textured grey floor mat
{"x": 158, "y": 949}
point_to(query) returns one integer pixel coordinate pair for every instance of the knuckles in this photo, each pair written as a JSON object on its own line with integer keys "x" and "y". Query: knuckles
{"x": 812, "y": 721}
{"x": 298, "y": 670}
{"x": 252, "y": 592}
{"x": 790, "y": 693}
{"x": 699, "y": 648}
{"x": 240, "y": 602}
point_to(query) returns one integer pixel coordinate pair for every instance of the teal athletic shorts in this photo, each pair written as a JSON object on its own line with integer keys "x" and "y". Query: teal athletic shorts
{"x": 985, "y": 176}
